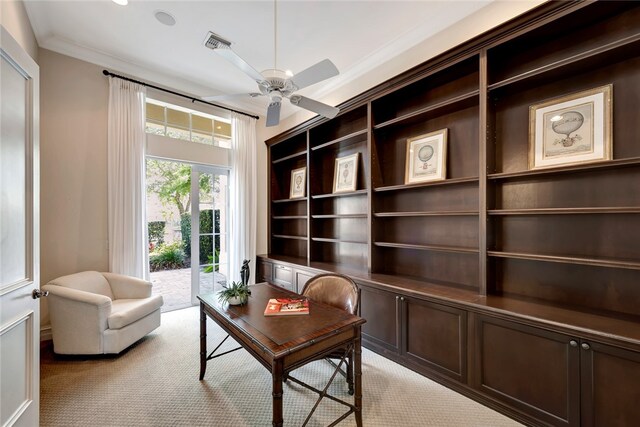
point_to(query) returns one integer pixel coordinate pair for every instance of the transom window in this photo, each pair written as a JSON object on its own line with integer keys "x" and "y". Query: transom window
{"x": 182, "y": 123}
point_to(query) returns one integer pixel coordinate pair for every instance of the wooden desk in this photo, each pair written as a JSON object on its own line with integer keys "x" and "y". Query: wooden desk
{"x": 284, "y": 343}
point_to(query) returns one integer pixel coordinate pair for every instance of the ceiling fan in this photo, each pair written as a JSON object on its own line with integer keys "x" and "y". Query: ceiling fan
{"x": 275, "y": 83}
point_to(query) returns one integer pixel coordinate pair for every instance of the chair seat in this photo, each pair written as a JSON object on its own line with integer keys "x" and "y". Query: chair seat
{"x": 126, "y": 311}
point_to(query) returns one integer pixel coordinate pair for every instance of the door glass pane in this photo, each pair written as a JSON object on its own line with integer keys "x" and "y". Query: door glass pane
{"x": 169, "y": 231}
{"x": 213, "y": 229}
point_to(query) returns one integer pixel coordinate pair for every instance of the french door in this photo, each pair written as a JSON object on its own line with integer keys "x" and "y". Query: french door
{"x": 209, "y": 229}
{"x": 187, "y": 220}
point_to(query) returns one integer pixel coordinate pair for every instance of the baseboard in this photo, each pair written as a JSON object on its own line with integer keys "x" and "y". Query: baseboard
{"x": 45, "y": 333}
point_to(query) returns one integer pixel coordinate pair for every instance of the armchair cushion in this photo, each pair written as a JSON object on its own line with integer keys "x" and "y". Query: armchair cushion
{"x": 88, "y": 281}
{"x": 125, "y": 287}
{"x": 126, "y": 311}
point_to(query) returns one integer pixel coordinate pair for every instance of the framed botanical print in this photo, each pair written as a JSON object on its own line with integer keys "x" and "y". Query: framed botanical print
{"x": 298, "y": 183}
{"x": 345, "y": 175}
{"x": 571, "y": 129}
{"x": 426, "y": 158}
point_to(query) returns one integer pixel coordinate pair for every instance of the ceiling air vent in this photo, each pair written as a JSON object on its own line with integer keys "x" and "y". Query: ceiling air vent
{"x": 214, "y": 41}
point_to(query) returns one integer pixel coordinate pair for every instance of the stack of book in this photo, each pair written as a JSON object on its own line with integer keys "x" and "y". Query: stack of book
{"x": 286, "y": 306}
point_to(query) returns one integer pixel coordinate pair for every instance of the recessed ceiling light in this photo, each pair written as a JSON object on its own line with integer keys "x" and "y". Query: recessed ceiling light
{"x": 121, "y": 2}
{"x": 165, "y": 17}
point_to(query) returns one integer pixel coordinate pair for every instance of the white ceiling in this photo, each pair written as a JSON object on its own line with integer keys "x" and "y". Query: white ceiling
{"x": 358, "y": 36}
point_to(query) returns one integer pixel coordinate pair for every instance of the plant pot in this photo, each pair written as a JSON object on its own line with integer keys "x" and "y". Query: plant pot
{"x": 236, "y": 301}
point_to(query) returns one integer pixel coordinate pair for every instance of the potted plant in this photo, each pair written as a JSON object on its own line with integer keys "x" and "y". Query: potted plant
{"x": 237, "y": 293}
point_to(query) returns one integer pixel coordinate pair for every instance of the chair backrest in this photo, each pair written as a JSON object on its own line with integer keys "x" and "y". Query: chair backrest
{"x": 88, "y": 281}
{"x": 336, "y": 290}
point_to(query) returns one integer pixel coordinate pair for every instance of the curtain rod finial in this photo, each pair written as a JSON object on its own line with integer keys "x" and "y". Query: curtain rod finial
{"x": 105, "y": 72}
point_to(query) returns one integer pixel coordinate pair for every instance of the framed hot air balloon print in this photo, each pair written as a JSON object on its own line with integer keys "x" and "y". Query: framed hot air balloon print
{"x": 426, "y": 158}
{"x": 298, "y": 183}
{"x": 572, "y": 129}
{"x": 345, "y": 174}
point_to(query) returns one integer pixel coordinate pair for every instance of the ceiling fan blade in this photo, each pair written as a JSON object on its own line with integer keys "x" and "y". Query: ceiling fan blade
{"x": 223, "y": 48}
{"x": 315, "y": 106}
{"x": 314, "y": 74}
{"x": 273, "y": 113}
{"x": 231, "y": 96}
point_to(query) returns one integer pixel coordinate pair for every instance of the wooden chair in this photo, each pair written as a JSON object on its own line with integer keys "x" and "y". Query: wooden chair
{"x": 341, "y": 292}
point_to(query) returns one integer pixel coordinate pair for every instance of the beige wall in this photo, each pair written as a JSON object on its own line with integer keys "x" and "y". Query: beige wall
{"x": 73, "y": 167}
{"x": 14, "y": 18}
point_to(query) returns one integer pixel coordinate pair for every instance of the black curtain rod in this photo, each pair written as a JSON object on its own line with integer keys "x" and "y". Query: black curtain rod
{"x": 108, "y": 73}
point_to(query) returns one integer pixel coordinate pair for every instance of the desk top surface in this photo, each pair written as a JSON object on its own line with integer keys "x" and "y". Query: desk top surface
{"x": 280, "y": 334}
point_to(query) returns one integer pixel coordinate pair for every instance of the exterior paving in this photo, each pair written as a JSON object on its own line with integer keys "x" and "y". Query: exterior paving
{"x": 175, "y": 286}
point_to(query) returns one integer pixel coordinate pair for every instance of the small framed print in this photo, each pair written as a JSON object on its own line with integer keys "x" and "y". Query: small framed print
{"x": 298, "y": 182}
{"x": 571, "y": 129}
{"x": 426, "y": 158}
{"x": 345, "y": 175}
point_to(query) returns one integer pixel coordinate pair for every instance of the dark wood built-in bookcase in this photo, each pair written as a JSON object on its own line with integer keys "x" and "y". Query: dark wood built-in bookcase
{"x": 339, "y": 222}
{"x": 289, "y": 217}
{"x": 501, "y": 274}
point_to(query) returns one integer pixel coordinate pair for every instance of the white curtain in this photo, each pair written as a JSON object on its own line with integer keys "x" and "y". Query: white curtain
{"x": 243, "y": 197}
{"x": 126, "y": 179}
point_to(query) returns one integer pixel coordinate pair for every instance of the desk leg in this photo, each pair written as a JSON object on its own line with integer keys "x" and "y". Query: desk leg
{"x": 276, "y": 372}
{"x": 357, "y": 365}
{"x": 203, "y": 341}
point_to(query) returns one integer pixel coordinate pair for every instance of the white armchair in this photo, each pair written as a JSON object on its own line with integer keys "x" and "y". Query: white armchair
{"x": 100, "y": 313}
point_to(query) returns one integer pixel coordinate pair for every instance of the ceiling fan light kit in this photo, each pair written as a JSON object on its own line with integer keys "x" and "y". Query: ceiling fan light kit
{"x": 277, "y": 84}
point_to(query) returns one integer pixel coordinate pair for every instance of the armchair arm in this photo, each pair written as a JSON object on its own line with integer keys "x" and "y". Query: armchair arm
{"x": 127, "y": 287}
{"x": 78, "y": 319}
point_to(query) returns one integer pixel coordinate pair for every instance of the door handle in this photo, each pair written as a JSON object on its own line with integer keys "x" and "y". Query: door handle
{"x": 37, "y": 293}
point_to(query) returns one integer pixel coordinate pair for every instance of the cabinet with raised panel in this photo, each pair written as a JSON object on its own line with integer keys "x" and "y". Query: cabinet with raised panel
{"x": 283, "y": 274}
{"x": 381, "y": 309}
{"x": 560, "y": 379}
{"x": 429, "y": 337}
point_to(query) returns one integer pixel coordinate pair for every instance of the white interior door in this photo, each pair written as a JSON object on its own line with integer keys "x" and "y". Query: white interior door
{"x": 19, "y": 248}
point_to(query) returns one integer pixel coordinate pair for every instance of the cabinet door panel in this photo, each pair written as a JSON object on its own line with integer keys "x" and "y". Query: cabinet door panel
{"x": 283, "y": 277}
{"x": 265, "y": 271}
{"x": 533, "y": 370}
{"x": 301, "y": 279}
{"x": 282, "y": 274}
{"x": 435, "y": 336}
{"x": 610, "y": 386}
{"x": 380, "y": 309}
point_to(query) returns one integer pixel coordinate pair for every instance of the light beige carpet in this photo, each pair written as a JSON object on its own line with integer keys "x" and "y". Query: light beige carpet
{"x": 155, "y": 383}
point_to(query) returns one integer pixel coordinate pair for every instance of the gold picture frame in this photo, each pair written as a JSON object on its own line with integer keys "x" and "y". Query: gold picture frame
{"x": 345, "y": 174}
{"x": 426, "y": 158}
{"x": 298, "y": 183}
{"x": 571, "y": 129}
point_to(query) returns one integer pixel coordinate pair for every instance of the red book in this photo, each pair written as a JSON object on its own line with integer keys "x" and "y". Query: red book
{"x": 286, "y": 306}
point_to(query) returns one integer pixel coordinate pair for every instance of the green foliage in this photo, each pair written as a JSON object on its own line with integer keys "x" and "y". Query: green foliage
{"x": 168, "y": 256}
{"x": 171, "y": 181}
{"x": 156, "y": 232}
{"x": 209, "y": 221}
{"x": 213, "y": 260}
{"x": 235, "y": 289}
{"x": 185, "y": 230}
